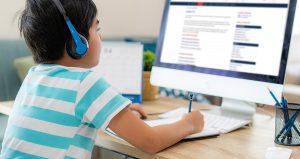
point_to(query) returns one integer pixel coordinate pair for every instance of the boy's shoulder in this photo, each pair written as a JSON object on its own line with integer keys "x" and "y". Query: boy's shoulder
{"x": 59, "y": 71}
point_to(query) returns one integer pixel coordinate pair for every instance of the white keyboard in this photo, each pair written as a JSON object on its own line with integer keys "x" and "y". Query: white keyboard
{"x": 221, "y": 123}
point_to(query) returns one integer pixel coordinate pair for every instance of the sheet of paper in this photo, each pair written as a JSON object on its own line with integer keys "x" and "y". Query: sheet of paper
{"x": 206, "y": 132}
{"x": 121, "y": 64}
{"x": 174, "y": 113}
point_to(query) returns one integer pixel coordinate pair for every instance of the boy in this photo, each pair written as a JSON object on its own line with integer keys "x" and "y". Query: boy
{"x": 62, "y": 103}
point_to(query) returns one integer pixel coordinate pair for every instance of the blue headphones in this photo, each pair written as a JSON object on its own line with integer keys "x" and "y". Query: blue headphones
{"x": 77, "y": 46}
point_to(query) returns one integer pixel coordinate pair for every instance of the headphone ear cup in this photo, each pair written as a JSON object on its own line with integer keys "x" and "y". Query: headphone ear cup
{"x": 71, "y": 47}
{"x": 84, "y": 41}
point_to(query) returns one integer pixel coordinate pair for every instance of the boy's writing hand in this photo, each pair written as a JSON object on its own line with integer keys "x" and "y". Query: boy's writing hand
{"x": 138, "y": 111}
{"x": 196, "y": 119}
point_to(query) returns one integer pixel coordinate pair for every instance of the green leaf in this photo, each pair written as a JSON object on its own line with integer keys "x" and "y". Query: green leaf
{"x": 149, "y": 57}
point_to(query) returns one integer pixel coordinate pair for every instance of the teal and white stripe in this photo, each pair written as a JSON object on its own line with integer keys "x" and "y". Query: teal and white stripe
{"x": 76, "y": 152}
{"x": 34, "y": 149}
{"x": 54, "y": 82}
{"x": 43, "y": 126}
{"x": 86, "y": 131}
{"x": 50, "y": 104}
{"x": 57, "y": 113}
{"x": 100, "y": 102}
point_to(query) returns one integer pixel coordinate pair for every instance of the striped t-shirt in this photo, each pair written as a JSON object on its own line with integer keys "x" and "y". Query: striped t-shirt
{"x": 57, "y": 113}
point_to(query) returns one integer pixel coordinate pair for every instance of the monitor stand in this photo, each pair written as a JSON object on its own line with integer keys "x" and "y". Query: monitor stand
{"x": 236, "y": 109}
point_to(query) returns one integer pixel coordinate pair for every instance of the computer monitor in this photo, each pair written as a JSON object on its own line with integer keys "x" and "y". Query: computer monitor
{"x": 235, "y": 49}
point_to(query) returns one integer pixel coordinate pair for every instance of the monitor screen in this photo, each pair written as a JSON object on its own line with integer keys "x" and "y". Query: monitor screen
{"x": 225, "y": 42}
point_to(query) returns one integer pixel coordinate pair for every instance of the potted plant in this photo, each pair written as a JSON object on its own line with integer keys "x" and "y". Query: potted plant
{"x": 150, "y": 92}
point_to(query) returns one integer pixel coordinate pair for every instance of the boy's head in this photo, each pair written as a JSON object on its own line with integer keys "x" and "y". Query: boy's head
{"x": 46, "y": 32}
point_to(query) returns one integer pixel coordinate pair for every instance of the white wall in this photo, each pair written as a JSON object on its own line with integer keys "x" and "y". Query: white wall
{"x": 130, "y": 17}
{"x": 119, "y": 18}
{"x": 296, "y": 29}
{"x": 9, "y": 18}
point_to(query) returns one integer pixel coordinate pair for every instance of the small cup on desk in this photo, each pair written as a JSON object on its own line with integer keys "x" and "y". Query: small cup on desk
{"x": 287, "y": 125}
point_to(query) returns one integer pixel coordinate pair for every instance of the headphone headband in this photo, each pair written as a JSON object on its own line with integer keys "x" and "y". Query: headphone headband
{"x": 61, "y": 9}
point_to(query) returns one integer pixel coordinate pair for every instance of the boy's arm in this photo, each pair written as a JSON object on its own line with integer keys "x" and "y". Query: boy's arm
{"x": 152, "y": 140}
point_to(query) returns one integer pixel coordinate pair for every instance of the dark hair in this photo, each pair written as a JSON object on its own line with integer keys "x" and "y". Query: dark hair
{"x": 45, "y": 30}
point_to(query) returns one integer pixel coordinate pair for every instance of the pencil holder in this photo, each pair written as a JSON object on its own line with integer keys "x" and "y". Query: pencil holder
{"x": 287, "y": 125}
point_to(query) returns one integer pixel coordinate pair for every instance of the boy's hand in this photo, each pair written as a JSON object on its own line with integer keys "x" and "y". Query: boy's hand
{"x": 196, "y": 119}
{"x": 138, "y": 111}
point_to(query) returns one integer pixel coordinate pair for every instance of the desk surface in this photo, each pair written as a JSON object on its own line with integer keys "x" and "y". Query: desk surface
{"x": 245, "y": 143}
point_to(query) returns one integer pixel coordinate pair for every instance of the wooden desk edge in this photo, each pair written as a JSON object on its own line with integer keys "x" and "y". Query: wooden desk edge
{"x": 6, "y": 107}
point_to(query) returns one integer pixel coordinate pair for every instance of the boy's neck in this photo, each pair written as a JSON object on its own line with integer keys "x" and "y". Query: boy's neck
{"x": 70, "y": 62}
